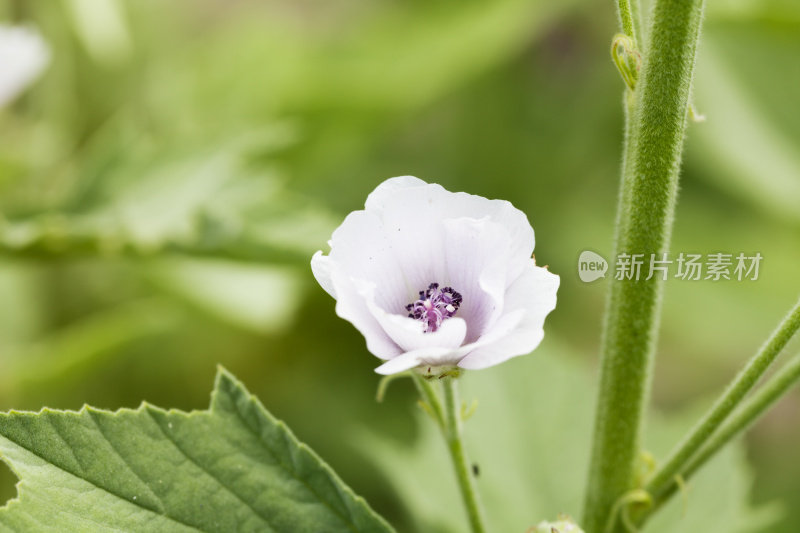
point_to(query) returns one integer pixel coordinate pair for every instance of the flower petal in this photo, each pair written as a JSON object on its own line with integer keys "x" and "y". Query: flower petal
{"x": 321, "y": 267}
{"x": 399, "y": 239}
{"x": 384, "y": 193}
{"x": 476, "y": 254}
{"x": 360, "y": 248}
{"x": 401, "y": 363}
{"x": 533, "y": 293}
{"x": 412, "y": 234}
{"x": 409, "y": 360}
{"x": 408, "y": 333}
{"x": 408, "y": 201}
{"x": 352, "y": 306}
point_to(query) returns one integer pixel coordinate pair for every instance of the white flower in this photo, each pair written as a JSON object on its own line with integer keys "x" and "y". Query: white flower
{"x": 564, "y": 524}
{"x": 439, "y": 279}
{"x": 23, "y": 57}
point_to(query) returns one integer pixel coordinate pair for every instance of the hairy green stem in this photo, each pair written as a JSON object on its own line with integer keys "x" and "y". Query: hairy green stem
{"x": 430, "y": 397}
{"x": 748, "y": 413}
{"x": 730, "y": 399}
{"x": 636, "y": 15}
{"x": 628, "y": 11}
{"x": 654, "y": 142}
{"x": 448, "y": 417}
{"x": 455, "y": 442}
{"x": 744, "y": 416}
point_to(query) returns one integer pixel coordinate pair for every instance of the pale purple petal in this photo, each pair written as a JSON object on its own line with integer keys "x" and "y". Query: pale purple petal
{"x": 360, "y": 248}
{"x": 351, "y": 305}
{"x": 431, "y": 277}
{"x": 476, "y": 254}
{"x": 410, "y": 203}
{"x": 534, "y": 292}
{"x": 408, "y": 333}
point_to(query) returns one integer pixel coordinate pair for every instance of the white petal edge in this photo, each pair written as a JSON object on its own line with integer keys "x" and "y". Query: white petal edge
{"x": 360, "y": 278}
{"x": 321, "y": 267}
{"x": 441, "y": 356}
{"x": 410, "y": 360}
{"x": 384, "y": 192}
{"x": 360, "y": 248}
{"x": 476, "y": 253}
{"x": 351, "y": 306}
{"x": 408, "y": 333}
{"x": 533, "y": 293}
{"x": 407, "y": 191}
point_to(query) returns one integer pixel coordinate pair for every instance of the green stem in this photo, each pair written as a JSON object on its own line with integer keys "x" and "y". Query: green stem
{"x": 429, "y": 395}
{"x": 455, "y": 443}
{"x": 628, "y": 11}
{"x": 635, "y": 10}
{"x": 448, "y": 416}
{"x": 730, "y": 399}
{"x": 749, "y": 412}
{"x": 58, "y": 240}
{"x": 744, "y": 416}
{"x": 654, "y": 142}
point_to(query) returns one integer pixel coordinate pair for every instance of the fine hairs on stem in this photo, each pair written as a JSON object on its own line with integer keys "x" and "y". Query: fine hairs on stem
{"x": 723, "y": 407}
{"x": 447, "y": 415}
{"x": 656, "y": 108}
{"x": 657, "y": 116}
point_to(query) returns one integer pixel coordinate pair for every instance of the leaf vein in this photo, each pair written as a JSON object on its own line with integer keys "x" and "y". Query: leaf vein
{"x": 300, "y": 446}
{"x": 93, "y": 484}
{"x": 263, "y": 518}
{"x": 162, "y": 509}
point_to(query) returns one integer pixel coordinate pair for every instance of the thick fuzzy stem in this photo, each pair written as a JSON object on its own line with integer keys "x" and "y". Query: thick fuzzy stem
{"x": 654, "y": 143}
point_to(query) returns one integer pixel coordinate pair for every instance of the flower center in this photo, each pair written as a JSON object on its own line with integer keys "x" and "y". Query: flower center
{"x": 434, "y": 306}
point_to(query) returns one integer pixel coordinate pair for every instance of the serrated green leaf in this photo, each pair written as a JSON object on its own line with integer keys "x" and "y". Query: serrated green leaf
{"x": 231, "y": 468}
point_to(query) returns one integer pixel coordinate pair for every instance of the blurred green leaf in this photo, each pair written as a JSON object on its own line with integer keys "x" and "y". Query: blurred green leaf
{"x": 257, "y": 297}
{"x": 718, "y": 498}
{"x": 102, "y": 28}
{"x": 738, "y": 147}
{"x": 207, "y": 203}
{"x": 410, "y": 54}
{"x": 82, "y": 344}
{"x": 231, "y": 468}
{"x": 19, "y": 322}
{"x": 777, "y": 11}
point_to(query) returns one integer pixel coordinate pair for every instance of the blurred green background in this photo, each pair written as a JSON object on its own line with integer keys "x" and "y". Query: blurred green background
{"x": 164, "y": 184}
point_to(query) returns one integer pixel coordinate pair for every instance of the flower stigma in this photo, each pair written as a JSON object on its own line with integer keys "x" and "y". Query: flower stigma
{"x": 434, "y": 306}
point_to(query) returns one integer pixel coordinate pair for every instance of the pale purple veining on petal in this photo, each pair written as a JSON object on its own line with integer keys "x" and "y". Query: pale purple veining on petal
{"x": 382, "y": 256}
{"x": 531, "y": 297}
{"x": 477, "y": 253}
